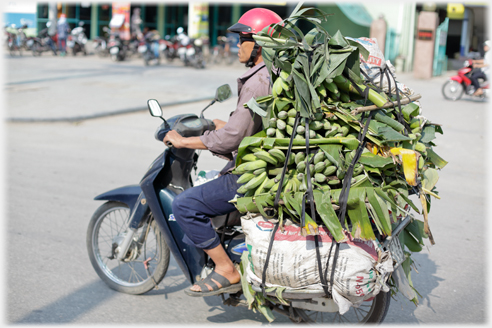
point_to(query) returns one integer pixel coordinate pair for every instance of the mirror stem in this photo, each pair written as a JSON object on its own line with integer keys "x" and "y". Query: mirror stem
{"x": 213, "y": 102}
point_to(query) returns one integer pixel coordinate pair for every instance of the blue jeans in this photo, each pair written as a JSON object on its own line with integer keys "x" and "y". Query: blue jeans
{"x": 194, "y": 207}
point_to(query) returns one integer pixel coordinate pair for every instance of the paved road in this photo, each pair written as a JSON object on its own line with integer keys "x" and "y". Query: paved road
{"x": 54, "y": 170}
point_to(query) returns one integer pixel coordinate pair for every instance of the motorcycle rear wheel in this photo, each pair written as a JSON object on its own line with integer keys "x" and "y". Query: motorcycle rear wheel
{"x": 147, "y": 260}
{"x": 373, "y": 312}
{"x": 452, "y": 90}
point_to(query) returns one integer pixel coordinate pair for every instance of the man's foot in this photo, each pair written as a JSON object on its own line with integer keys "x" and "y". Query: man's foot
{"x": 216, "y": 283}
{"x": 479, "y": 92}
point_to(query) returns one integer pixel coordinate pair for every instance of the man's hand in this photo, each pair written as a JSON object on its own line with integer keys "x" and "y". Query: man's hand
{"x": 181, "y": 142}
{"x": 219, "y": 124}
{"x": 175, "y": 138}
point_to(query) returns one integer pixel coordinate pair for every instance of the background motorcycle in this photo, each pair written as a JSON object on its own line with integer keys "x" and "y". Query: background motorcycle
{"x": 460, "y": 84}
{"x": 43, "y": 42}
{"x": 11, "y": 41}
{"x": 130, "y": 237}
{"x": 101, "y": 43}
{"x": 169, "y": 47}
{"x": 77, "y": 40}
{"x": 192, "y": 54}
{"x": 117, "y": 48}
{"x": 149, "y": 49}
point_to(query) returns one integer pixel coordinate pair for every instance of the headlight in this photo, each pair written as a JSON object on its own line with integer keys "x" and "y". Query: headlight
{"x": 198, "y": 42}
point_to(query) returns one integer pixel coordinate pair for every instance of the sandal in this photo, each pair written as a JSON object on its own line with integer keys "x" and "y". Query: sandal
{"x": 227, "y": 287}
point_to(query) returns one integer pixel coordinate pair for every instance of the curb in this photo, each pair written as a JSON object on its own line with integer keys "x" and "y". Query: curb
{"x": 100, "y": 115}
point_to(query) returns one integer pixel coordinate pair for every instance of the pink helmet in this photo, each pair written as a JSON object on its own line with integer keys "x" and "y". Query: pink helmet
{"x": 255, "y": 20}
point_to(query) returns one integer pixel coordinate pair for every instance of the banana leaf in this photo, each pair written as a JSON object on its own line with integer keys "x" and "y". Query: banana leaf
{"x": 435, "y": 159}
{"x": 381, "y": 217}
{"x": 328, "y": 215}
{"x": 430, "y": 178}
{"x": 376, "y": 161}
{"x": 357, "y": 212}
{"x": 412, "y": 109}
{"x": 254, "y": 141}
{"x": 428, "y": 133}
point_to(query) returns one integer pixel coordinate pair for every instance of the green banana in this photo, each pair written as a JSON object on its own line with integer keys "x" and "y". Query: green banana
{"x": 251, "y": 166}
{"x": 256, "y": 181}
{"x": 281, "y": 124}
{"x": 319, "y": 177}
{"x": 264, "y": 155}
{"x": 289, "y": 129}
{"x": 282, "y": 115}
{"x": 259, "y": 171}
{"x": 320, "y": 167}
{"x": 329, "y": 170}
{"x": 279, "y": 134}
{"x": 321, "y": 91}
{"x": 272, "y": 122}
{"x": 278, "y": 154}
{"x": 301, "y": 166}
{"x": 300, "y": 156}
{"x": 249, "y": 158}
{"x": 270, "y": 132}
{"x": 245, "y": 177}
{"x": 320, "y": 156}
{"x": 292, "y": 112}
{"x": 261, "y": 187}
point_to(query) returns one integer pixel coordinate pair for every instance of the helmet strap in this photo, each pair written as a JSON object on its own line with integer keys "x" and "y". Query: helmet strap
{"x": 254, "y": 53}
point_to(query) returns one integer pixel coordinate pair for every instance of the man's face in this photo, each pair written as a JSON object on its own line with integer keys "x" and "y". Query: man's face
{"x": 246, "y": 45}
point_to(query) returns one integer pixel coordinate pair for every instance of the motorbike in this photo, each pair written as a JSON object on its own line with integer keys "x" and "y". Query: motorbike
{"x": 192, "y": 54}
{"x": 101, "y": 44}
{"x": 169, "y": 47}
{"x": 460, "y": 84}
{"x": 131, "y": 236}
{"x": 117, "y": 48}
{"x": 149, "y": 49}
{"x": 13, "y": 39}
{"x": 43, "y": 42}
{"x": 77, "y": 40}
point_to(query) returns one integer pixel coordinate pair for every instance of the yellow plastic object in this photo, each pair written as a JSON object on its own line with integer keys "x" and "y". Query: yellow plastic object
{"x": 410, "y": 161}
{"x": 456, "y": 11}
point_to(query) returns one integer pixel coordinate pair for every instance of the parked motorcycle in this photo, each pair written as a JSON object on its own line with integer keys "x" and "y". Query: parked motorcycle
{"x": 43, "y": 42}
{"x": 169, "y": 47}
{"x": 11, "y": 40}
{"x": 460, "y": 84}
{"x": 149, "y": 48}
{"x": 77, "y": 40}
{"x": 101, "y": 43}
{"x": 192, "y": 54}
{"x": 130, "y": 237}
{"x": 117, "y": 48}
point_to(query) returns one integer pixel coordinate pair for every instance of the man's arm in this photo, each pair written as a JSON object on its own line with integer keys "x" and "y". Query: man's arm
{"x": 181, "y": 142}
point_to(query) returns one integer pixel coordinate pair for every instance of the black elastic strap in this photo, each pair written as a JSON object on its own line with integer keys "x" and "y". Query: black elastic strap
{"x": 287, "y": 156}
{"x": 263, "y": 275}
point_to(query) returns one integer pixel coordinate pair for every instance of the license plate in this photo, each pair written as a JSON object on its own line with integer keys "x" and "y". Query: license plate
{"x": 114, "y": 50}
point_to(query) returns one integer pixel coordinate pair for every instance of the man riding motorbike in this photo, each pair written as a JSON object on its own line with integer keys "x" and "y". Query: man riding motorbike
{"x": 483, "y": 68}
{"x": 194, "y": 207}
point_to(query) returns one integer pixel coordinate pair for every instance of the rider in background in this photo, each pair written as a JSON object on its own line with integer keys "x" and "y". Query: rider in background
{"x": 62, "y": 28}
{"x": 483, "y": 71}
{"x": 194, "y": 207}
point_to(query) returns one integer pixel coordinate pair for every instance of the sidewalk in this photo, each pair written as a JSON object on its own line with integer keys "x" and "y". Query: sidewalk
{"x": 52, "y": 89}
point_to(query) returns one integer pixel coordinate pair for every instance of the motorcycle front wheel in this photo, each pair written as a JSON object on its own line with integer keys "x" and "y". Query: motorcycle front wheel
{"x": 368, "y": 312}
{"x": 146, "y": 262}
{"x": 452, "y": 90}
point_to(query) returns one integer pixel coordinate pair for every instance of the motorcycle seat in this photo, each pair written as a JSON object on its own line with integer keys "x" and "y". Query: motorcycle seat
{"x": 234, "y": 220}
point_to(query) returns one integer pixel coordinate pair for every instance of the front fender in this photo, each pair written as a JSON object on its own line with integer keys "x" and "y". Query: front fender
{"x": 127, "y": 195}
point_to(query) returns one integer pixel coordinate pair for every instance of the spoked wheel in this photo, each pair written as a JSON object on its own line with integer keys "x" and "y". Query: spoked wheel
{"x": 452, "y": 90}
{"x": 368, "y": 312}
{"x": 146, "y": 262}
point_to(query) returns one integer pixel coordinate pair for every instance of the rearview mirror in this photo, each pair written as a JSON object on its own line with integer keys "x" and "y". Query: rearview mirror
{"x": 154, "y": 108}
{"x": 223, "y": 93}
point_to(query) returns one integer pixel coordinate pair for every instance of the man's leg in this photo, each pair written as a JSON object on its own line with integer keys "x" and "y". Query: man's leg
{"x": 474, "y": 80}
{"x": 193, "y": 209}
